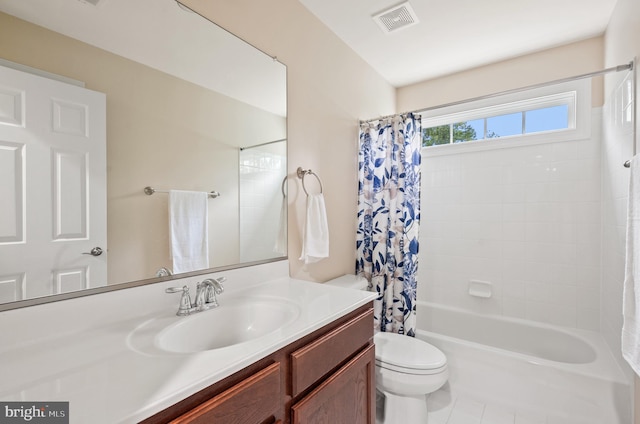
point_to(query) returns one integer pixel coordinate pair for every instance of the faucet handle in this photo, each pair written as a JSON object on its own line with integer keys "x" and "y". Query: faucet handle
{"x": 217, "y": 284}
{"x": 213, "y": 286}
{"x": 185, "y": 307}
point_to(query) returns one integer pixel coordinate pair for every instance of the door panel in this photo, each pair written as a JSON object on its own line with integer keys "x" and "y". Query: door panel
{"x": 53, "y": 181}
{"x": 11, "y": 192}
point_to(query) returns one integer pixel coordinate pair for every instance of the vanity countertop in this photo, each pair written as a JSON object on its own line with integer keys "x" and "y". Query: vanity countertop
{"x": 108, "y": 377}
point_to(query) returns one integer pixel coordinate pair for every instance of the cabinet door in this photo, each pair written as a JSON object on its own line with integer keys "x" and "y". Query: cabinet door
{"x": 251, "y": 401}
{"x": 315, "y": 360}
{"x": 346, "y": 397}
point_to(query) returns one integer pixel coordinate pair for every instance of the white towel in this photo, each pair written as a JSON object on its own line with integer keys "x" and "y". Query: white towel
{"x": 631, "y": 292}
{"x": 315, "y": 236}
{"x": 188, "y": 230}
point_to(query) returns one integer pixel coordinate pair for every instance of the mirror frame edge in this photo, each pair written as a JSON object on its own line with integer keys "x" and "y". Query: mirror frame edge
{"x": 18, "y": 304}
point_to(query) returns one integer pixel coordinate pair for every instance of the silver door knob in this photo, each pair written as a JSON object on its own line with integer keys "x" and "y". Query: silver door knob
{"x": 96, "y": 251}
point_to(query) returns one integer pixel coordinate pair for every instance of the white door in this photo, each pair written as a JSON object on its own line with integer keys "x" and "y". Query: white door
{"x": 52, "y": 186}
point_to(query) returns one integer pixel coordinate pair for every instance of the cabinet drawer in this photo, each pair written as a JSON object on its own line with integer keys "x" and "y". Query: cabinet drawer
{"x": 251, "y": 401}
{"x": 346, "y": 397}
{"x": 318, "y": 358}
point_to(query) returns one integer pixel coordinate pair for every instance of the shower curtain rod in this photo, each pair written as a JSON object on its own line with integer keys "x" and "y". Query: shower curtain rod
{"x": 619, "y": 68}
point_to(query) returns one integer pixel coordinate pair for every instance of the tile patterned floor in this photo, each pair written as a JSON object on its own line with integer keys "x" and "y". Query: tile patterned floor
{"x": 448, "y": 408}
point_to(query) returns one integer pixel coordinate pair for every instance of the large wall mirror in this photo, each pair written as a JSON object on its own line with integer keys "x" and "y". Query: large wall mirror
{"x": 100, "y": 99}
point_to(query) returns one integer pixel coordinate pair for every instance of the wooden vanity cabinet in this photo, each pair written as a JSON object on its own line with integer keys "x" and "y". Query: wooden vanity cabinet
{"x": 325, "y": 377}
{"x": 253, "y": 400}
{"x": 347, "y": 396}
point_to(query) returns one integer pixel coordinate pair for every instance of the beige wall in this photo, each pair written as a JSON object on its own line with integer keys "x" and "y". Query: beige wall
{"x": 151, "y": 124}
{"x": 561, "y": 62}
{"x": 329, "y": 89}
{"x": 622, "y": 44}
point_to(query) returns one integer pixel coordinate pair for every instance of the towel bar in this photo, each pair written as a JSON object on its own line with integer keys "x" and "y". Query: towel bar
{"x": 148, "y": 190}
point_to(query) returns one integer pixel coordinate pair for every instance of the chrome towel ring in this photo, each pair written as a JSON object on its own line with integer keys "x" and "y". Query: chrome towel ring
{"x": 304, "y": 172}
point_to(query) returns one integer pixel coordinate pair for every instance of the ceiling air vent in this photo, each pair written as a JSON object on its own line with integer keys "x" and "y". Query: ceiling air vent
{"x": 397, "y": 17}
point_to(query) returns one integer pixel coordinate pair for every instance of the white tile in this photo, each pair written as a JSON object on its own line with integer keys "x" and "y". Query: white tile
{"x": 513, "y": 270}
{"x": 562, "y": 419}
{"x": 540, "y": 192}
{"x": 588, "y": 319}
{"x": 458, "y": 417}
{"x": 588, "y": 234}
{"x": 565, "y": 151}
{"x": 514, "y": 250}
{"x": 514, "y": 231}
{"x": 588, "y": 276}
{"x": 439, "y": 406}
{"x": 514, "y": 289}
{"x": 481, "y": 230}
{"x": 530, "y": 418}
{"x": 469, "y": 406}
{"x": 588, "y": 297}
{"x": 497, "y": 415}
{"x": 513, "y": 193}
{"x": 539, "y": 292}
{"x": 491, "y": 175}
{"x": 514, "y": 212}
{"x": 514, "y": 308}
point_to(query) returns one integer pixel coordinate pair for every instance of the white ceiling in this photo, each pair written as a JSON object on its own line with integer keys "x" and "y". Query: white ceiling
{"x": 455, "y": 35}
{"x": 159, "y": 34}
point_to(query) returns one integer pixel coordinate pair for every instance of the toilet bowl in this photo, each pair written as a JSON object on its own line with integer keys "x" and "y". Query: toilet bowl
{"x": 407, "y": 370}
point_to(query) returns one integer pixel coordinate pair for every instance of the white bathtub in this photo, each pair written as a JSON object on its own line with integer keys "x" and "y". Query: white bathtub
{"x": 564, "y": 372}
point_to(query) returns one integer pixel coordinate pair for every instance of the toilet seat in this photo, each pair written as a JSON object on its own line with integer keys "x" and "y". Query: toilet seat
{"x": 408, "y": 355}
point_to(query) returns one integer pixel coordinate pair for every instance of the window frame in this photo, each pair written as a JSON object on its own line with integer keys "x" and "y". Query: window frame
{"x": 575, "y": 94}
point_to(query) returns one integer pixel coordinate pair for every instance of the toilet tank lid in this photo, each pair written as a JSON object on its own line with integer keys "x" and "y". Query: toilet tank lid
{"x": 349, "y": 281}
{"x": 407, "y": 352}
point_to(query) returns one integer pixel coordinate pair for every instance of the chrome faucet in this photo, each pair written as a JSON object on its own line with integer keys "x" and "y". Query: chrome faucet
{"x": 206, "y": 292}
{"x": 185, "y": 307}
{"x": 212, "y": 287}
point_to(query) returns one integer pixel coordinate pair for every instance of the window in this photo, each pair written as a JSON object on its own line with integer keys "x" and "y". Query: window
{"x": 553, "y": 113}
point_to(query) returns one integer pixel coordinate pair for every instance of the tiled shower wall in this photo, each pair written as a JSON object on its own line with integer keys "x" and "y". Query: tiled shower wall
{"x": 262, "y": 202}
{"x": 525, "y": 219}
{"x": 617, "y": 147}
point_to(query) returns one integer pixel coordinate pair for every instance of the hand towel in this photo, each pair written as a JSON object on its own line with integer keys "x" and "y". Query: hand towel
{"x": 631, "y": 289}
{"x": 188, "y": 230}
{"x": 315, "y": 236}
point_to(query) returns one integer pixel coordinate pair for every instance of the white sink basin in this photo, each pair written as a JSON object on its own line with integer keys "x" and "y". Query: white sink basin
{"x": 237, "y": 320}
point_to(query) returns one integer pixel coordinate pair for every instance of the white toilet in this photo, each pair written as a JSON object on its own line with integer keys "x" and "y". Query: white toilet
{"x": 407, "y": 370}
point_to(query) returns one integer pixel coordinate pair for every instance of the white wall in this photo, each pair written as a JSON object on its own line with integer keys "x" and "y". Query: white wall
{"x": 622, "y": 44}
{"x": 526, "y": 219}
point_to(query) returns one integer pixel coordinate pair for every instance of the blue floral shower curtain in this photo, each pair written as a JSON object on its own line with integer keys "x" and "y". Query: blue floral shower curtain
{"x": 389, "y": 218}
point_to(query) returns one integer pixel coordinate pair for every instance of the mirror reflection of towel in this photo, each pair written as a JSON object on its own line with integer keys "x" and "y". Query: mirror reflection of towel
{"x": 315, "y": 236}
{"x": 188, "y": 230}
